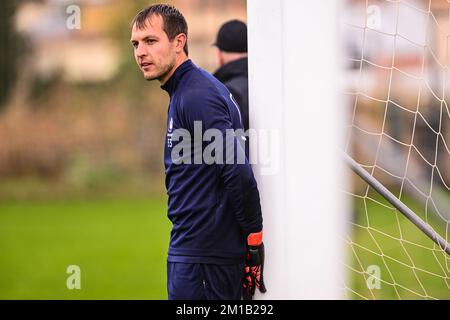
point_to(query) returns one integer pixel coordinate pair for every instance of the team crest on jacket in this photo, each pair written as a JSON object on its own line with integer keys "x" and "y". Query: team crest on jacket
{"x": 170, "y": 125}
{"x": 169, "y": 134}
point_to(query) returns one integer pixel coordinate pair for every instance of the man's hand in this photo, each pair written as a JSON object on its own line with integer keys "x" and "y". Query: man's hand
{"x": 254, "y": 266}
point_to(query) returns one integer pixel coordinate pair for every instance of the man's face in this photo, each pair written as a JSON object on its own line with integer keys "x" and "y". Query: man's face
{"x": 154, "y": 53}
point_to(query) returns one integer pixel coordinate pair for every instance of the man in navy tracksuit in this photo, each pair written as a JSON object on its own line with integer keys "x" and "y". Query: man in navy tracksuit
{"x": 216, "y": 249}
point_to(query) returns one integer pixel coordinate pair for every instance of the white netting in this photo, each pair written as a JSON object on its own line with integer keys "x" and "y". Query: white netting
{"x": 398, "y": 90}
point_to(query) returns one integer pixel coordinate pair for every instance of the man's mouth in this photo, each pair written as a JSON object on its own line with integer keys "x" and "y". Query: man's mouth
{"x": 145, "y": 65}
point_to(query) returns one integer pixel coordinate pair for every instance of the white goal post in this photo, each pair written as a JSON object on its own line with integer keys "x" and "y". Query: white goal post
{"x": 294, "y": 58}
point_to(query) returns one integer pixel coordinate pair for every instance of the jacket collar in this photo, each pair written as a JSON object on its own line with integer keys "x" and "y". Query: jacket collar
{"x": 171, "y": 85}
{"x": 232, "y": 69}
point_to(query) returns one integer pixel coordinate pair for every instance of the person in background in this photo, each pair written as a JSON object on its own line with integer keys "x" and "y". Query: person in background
{"x": 232, "y": 55}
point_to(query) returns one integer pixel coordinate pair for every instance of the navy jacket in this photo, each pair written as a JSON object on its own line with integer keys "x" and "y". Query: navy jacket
{"x": 213, "y": 207}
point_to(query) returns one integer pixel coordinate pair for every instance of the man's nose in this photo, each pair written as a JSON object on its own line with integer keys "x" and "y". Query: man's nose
{"x": 140, "y": 51}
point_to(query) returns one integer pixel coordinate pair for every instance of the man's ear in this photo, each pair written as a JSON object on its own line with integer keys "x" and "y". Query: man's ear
{"x": 180, "y": 42}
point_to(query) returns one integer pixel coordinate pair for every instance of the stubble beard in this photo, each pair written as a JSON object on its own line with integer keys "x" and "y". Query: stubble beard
{"x": 162, "y": 73}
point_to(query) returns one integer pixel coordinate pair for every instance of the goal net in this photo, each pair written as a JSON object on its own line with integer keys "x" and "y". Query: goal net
{"x": 397, "y": 89}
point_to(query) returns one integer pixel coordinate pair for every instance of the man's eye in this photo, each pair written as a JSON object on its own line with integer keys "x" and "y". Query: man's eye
{"x": 135, "y": 45}
{"x": 150, "y": 41}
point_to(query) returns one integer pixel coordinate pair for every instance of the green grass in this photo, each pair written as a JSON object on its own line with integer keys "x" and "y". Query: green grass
{"x": 120, "y": 246}
{"x": 410, "y": 269}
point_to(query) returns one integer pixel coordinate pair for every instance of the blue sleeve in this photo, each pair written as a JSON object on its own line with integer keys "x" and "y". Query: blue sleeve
{"x": 238, "y": 179}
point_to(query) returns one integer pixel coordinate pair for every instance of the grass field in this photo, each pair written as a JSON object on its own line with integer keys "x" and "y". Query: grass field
{"x": 121, "y": 248}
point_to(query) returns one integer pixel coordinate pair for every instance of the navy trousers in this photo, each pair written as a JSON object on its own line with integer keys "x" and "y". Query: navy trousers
{"x": 195, "y": 281}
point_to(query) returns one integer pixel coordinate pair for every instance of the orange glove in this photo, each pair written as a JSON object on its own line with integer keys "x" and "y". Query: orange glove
{"x": 254, "y": 266}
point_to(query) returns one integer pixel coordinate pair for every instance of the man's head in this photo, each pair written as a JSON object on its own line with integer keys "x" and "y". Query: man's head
{"x": 159, "y": 37}
{"x": 231, "y": 41}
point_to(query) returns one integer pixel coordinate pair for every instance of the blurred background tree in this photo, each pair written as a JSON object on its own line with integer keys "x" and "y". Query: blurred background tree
{"x": 10, "y": 49}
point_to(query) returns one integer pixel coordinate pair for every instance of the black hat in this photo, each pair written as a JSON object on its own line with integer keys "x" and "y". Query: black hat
{"x": 232, "y": 37}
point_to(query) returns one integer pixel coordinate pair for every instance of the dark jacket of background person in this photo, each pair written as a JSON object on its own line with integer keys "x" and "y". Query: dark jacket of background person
{"x": 234, "y": 76}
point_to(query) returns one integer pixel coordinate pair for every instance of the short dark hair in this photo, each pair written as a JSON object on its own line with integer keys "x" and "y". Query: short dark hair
{"x": 174, "y": 21}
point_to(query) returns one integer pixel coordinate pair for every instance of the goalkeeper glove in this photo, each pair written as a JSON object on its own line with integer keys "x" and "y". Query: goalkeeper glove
{"x": 254, "y": 266}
